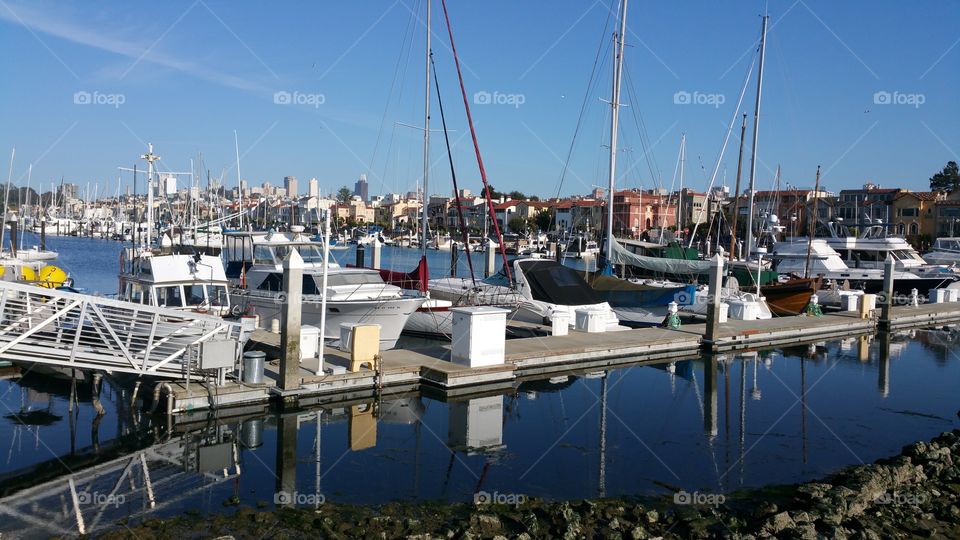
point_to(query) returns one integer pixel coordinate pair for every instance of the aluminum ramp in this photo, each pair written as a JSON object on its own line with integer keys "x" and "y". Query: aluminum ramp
{"x": 72, "y": 330}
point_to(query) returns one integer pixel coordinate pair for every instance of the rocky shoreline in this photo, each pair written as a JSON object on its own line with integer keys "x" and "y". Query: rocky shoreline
{"x": 915, "y": 494}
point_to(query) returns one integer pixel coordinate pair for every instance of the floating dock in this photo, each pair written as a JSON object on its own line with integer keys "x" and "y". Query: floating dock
{"x": 402, "y": 369}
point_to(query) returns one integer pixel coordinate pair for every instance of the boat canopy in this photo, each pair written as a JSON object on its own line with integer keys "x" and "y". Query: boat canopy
{"x": 622, "y": 255}
{"x": 554, "y": 283}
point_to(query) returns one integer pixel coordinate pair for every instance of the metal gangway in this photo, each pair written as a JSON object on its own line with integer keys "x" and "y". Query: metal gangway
{"x": 73, "y": 330}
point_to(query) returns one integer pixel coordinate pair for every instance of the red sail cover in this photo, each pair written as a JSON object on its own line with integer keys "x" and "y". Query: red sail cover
{"x": 415, "y": 280}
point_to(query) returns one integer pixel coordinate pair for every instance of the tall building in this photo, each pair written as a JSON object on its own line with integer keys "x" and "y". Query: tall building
{"x": 290, "y": 185}
{"x": 313, "y": 188}
{"x": 361, "y": 188}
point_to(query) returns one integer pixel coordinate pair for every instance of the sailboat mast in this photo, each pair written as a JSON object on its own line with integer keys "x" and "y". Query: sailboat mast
{"x": 812, "y": 224}
{"x": 683, "y": 160}
{"x": 614, "y": 121}
{"x": 424, "y": 210}
{"x": 236, "y": 147}
{"x": 756, "y": 131}
{"x": 736, "y": 191}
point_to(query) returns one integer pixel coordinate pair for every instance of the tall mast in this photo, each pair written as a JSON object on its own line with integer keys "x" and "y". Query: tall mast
{"x": 424, "y": 210}
{"x": 150, "y": 157}
{"x": 614, "y": 121}
{"x": 756, "y": 129}
{"x": 683, "y": 159}
{"x": 236, "y": 147}
{"x": 736, "y": 191}
{"x": 812, "y": 224}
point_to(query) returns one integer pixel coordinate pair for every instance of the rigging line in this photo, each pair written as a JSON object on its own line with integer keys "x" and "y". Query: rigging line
{"x": 476, "y": 145}
{"x": 453, "y": 174}
{"x": 726, "y": 139}
{"x": 393, "y": 84}
{"x": 648, "y": 154}
{"x": 586, "y": 96}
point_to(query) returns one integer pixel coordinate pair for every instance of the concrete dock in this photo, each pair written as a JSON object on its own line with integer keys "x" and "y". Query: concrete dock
{"x": 402, "y": 369}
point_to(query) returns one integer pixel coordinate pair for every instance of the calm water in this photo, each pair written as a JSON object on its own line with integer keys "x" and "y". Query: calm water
{"x": 718, "y": 424}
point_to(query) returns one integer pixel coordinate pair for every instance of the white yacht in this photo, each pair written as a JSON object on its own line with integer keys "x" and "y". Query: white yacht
{"x": 945, "y": 251}
{"x": 353, "y": 295}
{"x": 826, "y": 262}
{"x": 869, "y": 250}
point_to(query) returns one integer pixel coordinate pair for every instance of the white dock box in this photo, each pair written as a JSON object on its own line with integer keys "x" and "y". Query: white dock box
{"x": 560, "y": 321}
{"x": 476, "y": 424}
{"x": 309, "y": 342}
{"x": 952, "y": 294}
{"x": 591, "y": 320}
{"x": 479, "y": 335}
{"x": 849, "y": 301}
{"x": 937, "y": 296}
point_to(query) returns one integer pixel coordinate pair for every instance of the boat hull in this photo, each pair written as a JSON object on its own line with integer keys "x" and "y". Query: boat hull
{"x": 392, "y": 315}
{"x": 789, "y": 298}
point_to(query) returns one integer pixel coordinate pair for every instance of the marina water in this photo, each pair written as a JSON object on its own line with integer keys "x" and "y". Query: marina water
{"x": 708, "y": 424}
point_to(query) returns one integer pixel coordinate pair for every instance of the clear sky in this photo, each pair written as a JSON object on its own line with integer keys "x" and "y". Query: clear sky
{"x": 868, "y": 90}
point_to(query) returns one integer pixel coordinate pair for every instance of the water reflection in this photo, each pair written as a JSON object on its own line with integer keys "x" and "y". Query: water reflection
{"x": 722, "y": 422}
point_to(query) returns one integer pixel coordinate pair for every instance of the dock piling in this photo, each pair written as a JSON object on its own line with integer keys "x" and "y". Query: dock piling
{"x": 375, "y": 255}
{"x": 886, "y": 305}
{"x": 713, "y": 297}
{"x": 454, "y": 259}
{"x": 489, "y": 259}
{"x": 290, "y": 322}
{"x": 361, "y": 260}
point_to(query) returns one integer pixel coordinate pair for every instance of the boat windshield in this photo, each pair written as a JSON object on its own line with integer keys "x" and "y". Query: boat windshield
{"x": 217, "y": 295}
{"x": 354, "y": 278}
{"x": 310, "y": 254}
{"x": 169, "y": 296}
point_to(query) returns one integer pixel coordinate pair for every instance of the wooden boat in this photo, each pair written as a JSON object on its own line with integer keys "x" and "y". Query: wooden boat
{"x": 791, "y": 297}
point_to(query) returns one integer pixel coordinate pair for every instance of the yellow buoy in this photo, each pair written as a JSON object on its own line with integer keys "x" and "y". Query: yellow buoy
{"x": 52, "y": 276}
{"x": 3, "y": 270}
{"x": 27, "y": 273}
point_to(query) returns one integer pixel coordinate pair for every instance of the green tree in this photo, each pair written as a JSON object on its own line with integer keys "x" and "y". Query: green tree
{"x": 946, "y": 180}
{"x": 344, "y": 195}
{"x": 543, "y": 219}
{"x": 517, "y": 224}
{"x": 517, "y": 195}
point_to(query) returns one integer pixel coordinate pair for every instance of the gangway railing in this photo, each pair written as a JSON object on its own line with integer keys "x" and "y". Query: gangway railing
{"x": 72, "y": 330}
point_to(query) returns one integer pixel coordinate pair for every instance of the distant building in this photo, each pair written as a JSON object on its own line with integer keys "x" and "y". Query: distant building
{"x": 290, "y": 185}
{"x": 361, "y": 188}
{"x": 313, "y": 188}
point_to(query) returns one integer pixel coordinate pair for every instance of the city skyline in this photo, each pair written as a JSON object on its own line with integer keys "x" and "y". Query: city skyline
{"x": 321, "y": 105}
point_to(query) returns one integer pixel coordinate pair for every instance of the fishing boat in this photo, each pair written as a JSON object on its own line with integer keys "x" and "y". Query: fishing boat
{"x": 353, "y": 295}
{"x": 178, "y": 278}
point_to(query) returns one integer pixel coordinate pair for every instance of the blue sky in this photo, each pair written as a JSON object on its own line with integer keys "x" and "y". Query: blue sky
{"x": 185, "y": 75}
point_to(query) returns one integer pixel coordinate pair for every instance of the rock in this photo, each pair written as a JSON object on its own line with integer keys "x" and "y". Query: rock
{"x": 778, "y": 523}
{"x": 639, "y": 533}
{"x": 487, "y": 524}
{"x": 614, "y": 524}
{"x": 653, "y": 516}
